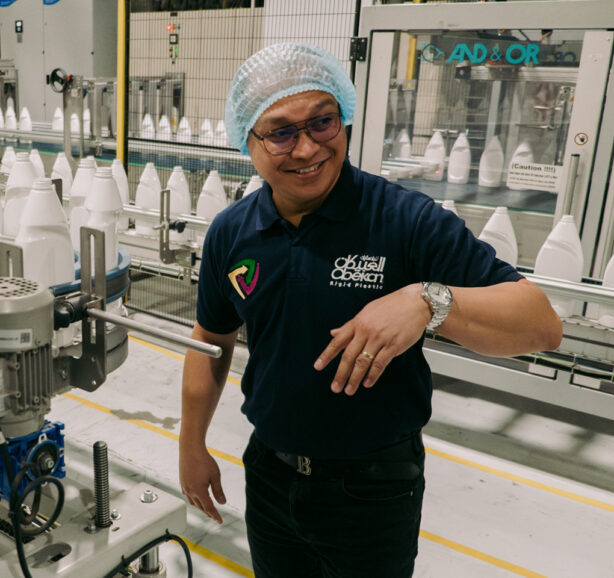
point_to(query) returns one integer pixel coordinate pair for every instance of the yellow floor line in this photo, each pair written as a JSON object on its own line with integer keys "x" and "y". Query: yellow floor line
{"x": 526, "y": 481}
{"x": 170, "y": 353}
{"x": 214, "y": 557}
{"x": 479, "y": 555}
{"x": 220, "y": 454}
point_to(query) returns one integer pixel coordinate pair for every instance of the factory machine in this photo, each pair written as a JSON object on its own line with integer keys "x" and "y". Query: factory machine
{"x": 534, "y": 79}
{"x": 50, "y": 524}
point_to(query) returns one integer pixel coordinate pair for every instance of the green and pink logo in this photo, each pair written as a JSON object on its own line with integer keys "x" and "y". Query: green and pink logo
{"x": 244, "y": 276}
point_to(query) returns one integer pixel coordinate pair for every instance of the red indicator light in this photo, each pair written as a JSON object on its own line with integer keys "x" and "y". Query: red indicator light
{"x": 169, "y": 27}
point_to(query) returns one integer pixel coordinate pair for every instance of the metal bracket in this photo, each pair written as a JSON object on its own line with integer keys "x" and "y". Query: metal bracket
{"x": 11, "y": 260}
{"x": 358, "y": 49}
{"x": 167, "y": 255}
{"x": 88, "y": 372}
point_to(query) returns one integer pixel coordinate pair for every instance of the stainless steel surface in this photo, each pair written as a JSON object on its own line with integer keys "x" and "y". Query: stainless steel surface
{"x": 153, "y": 216}
{"x": 581, "y": 291}
{"x": 150, "y": 562}
{"x": 212, "y": 350}
{"x": 570, "y": 184}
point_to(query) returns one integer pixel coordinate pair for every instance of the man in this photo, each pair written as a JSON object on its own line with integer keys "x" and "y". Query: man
{"x": 325, "y": 265}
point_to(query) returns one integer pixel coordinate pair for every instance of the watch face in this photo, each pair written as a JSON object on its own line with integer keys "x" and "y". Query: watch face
{"x": 439, "y": 294}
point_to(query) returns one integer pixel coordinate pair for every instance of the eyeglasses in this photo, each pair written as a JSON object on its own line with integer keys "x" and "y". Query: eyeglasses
{"x": 283, "y": 140}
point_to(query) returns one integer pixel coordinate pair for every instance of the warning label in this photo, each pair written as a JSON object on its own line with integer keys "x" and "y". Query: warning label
{"x": 532, "y": 176}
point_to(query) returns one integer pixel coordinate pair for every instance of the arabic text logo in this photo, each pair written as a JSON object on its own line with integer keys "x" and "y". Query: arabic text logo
{"x": 244, "y": 276}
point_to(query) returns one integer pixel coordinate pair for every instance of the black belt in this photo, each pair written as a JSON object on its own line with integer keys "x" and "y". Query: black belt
{"x": 398, "y": 462}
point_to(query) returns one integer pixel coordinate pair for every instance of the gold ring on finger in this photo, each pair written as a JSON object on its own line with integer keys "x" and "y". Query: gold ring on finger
{"x": 368, "y": 355}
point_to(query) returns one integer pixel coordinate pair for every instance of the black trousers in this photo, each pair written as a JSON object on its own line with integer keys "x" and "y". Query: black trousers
{"x": 346, "y": 525}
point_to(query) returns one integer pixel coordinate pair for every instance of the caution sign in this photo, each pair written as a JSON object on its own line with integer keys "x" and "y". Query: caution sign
{"x": 533, "y": 176}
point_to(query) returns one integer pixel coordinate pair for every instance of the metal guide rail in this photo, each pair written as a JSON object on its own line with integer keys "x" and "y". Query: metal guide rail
{"x": 579, "y": 375}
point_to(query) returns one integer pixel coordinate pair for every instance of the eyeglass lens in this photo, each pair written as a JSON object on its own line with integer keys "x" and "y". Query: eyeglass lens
{"x": 320, "y": 129}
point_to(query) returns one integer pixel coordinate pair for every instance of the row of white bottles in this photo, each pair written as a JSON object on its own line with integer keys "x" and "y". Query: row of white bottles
{"x": 207, "y": 135}
{"x": 491, "y": 166}
{"x": 8, "y": 120}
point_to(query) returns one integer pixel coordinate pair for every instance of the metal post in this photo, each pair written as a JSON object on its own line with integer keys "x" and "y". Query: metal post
{"x": 149, "y": 563}
{"x": 101, "y": 485}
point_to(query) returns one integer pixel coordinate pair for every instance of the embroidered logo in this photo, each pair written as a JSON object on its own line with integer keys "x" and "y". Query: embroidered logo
{"x": 244, "y": 276}
{"x": 362, "y": 271}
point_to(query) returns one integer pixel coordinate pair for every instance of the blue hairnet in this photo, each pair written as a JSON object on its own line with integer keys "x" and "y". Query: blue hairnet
{"x": 278, "y": 71}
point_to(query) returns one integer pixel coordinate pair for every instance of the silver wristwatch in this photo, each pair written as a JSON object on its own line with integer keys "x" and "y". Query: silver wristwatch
{"x": 439, "y": 299}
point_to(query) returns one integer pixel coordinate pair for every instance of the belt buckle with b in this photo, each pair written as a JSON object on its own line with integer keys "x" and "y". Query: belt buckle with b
{"x": 304, "y": 465}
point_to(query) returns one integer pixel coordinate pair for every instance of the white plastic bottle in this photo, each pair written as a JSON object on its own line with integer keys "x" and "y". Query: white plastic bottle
{"x": 164, "y": 129}
{"x": 435, "y": 155}
{"x": 255, "y": 182}
{"x": 147, "y": 197}
{"x": 81, "y": 184}
{"x": 184, "y": 132}
{"x": 81, "y": 187}
{"x": 499, "y": 233}
{"x": 561, "y": 257}
{"x": 25, "y": 121}
{"x": 401, "y": 146}
{"x": 43, "y": 235}
{"x": 221, "y": 139}
{"x": 18, "y": 186}
{"x": 207, "y": 136}
{"x": 57, "y": 123}
{"x": 37, "y": 163}
{"x": 523, "y": 155}
{"x": 181, "y": 201}
{"x": 459, "y": 163}
{"x": 75, "y": 123}
{"x": 121, "y": 180}
{"x": 104, "y": 206}
{"x": 148, "y": 129}
{"x": 10, "y": 119}
{"x": 61, "y": 170}
{"x": 8, "y": 160}
{"x": 87, "y": 120}
{"x": 491, "y": 164}
{"x": 605, "y": 313}
{"x": 212, "y": 198}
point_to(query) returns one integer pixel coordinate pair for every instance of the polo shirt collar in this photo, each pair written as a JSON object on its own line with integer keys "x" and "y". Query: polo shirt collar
{"x": 341, "y": 201}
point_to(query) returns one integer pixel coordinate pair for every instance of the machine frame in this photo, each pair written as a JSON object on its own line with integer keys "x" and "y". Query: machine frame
{"x": 579, "y": 376}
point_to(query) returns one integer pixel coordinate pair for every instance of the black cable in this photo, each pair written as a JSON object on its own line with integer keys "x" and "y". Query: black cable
{"x": 144, "y": 549}
{"x": 16, "y": 514}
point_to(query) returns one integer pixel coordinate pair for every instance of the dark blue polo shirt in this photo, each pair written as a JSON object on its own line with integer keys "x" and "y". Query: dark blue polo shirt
{"x": 291, "y": 286}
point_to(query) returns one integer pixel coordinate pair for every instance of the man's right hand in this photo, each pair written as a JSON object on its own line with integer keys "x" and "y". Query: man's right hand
{"x": 197, "y": 472}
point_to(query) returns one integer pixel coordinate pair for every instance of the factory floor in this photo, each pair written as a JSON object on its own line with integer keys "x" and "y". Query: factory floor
{"x": 513, "y": 486}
